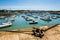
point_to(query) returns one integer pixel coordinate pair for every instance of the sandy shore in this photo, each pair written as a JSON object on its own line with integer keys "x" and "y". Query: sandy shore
{"x": 51, "y": 34}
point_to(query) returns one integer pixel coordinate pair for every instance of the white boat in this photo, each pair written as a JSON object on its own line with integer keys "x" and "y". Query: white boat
{"x": 54, "y": 17}
{"x": 5, "y": 24}
{"x": 28, "y": 19}
{"x": 35, "y": 16}
{"x": 13, "y": 16}
{"x": 46, "y": 18}
{"x": 33, "y": 22}
{"x": 1, "y": 17}
{"x": 11, "y": 19}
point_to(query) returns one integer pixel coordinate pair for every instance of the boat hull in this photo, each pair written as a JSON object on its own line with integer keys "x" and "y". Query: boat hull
{"x": 5, "y": 26}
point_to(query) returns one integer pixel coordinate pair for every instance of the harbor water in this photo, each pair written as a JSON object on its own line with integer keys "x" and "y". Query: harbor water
{"x": 20, "y": 22}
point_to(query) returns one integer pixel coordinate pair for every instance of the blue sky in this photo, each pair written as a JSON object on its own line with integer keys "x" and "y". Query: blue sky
{"x": 30, "y": 4}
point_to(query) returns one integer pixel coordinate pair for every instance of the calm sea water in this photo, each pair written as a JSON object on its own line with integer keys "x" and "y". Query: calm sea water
{"x": 20, "y": 22}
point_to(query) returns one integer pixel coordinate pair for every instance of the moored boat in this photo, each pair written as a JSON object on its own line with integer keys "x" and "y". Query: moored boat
{"x": 34, "y": 16}
{"x": 7, "y": 24}
{"x": 11, "y": 19}
{"x": 33, "y": 22}
{"x": 54, "y": 17}
{"x": 46, "y": 18}
{"x": 1, "y": 17}
{"x": 28, "y": 19}
{"x": 58, "y": 16}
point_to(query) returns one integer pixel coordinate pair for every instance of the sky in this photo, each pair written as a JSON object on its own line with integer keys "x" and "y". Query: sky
{"x": 30, "y": 4}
